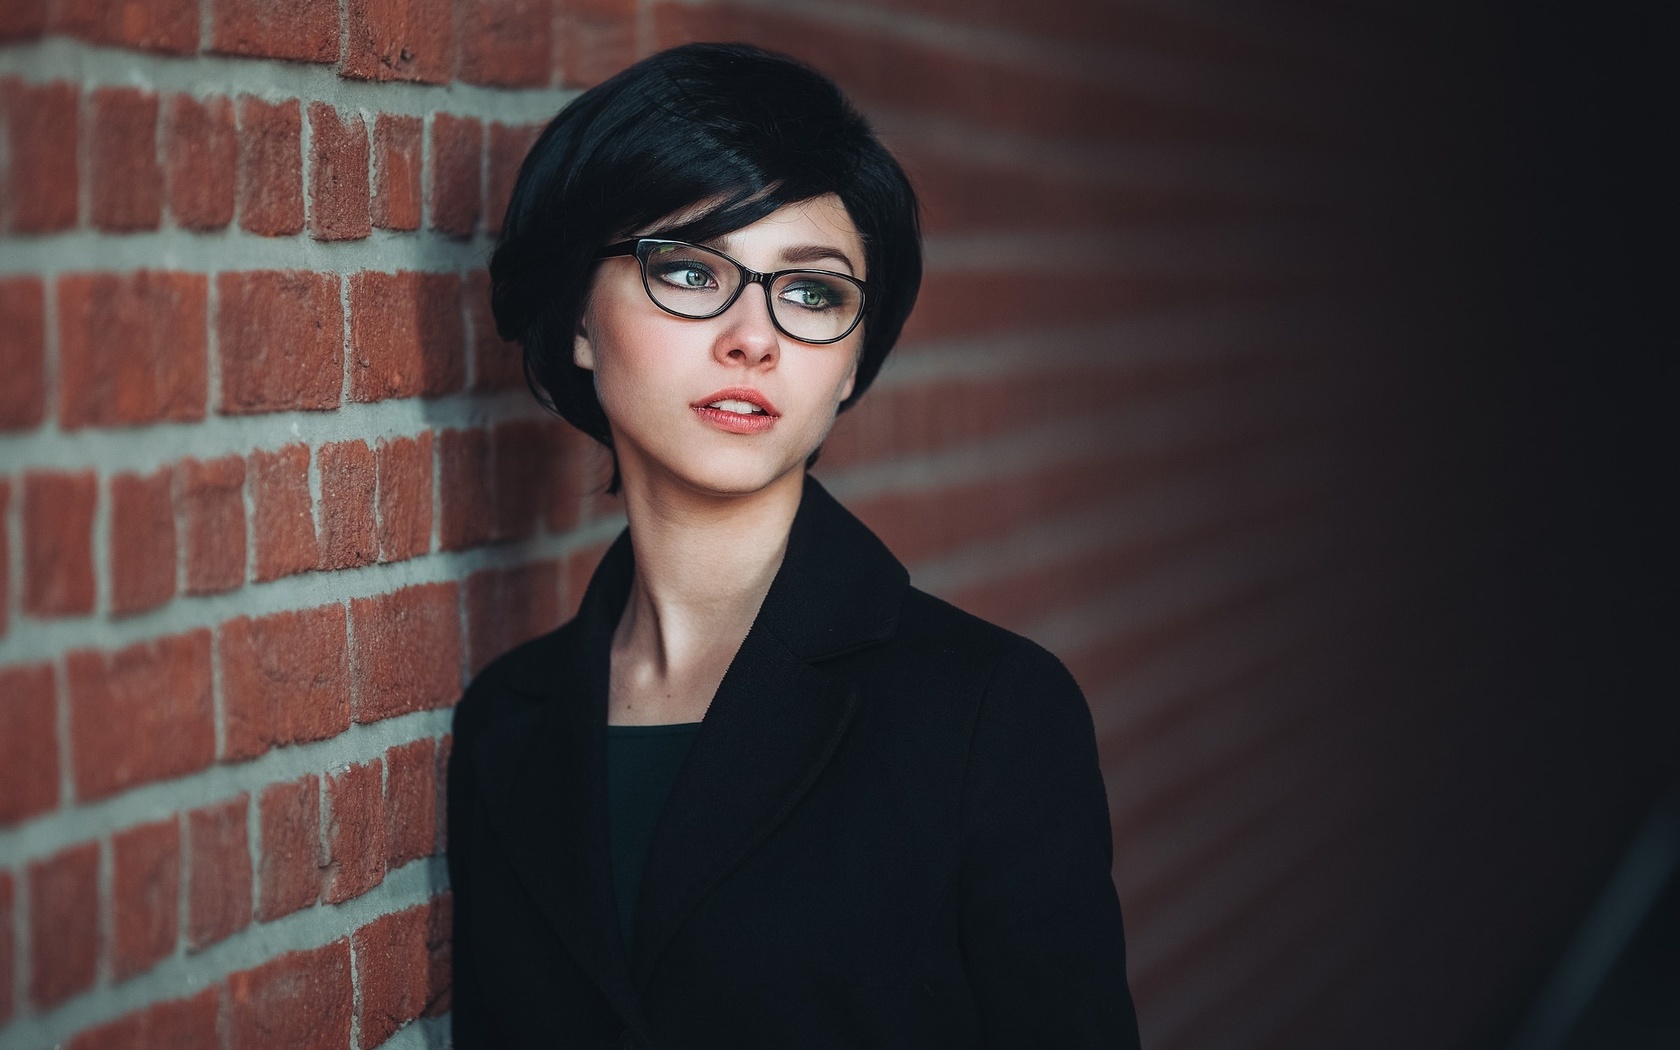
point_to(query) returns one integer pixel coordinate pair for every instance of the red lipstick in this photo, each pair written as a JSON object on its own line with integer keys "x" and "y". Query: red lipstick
{"x": 738, "y": 410}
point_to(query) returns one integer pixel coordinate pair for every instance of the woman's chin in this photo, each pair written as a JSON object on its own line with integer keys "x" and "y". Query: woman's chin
{"x": 726, "y": 476}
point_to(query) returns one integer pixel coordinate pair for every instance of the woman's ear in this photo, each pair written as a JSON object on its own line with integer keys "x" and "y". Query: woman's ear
{"x": 851, "y": 379}
{"x": 583, "y": 351}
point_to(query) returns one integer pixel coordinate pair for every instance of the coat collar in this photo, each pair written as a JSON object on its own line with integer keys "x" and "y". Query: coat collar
{"x": 838, "y": 589}
{"x": 774, "y": 722}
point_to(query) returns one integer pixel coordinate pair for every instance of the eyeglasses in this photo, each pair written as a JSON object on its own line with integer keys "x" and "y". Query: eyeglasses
{"x": 812, "y": 306}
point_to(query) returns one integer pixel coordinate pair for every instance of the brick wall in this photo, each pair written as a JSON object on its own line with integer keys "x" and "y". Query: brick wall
{"x": 271, "y": 490}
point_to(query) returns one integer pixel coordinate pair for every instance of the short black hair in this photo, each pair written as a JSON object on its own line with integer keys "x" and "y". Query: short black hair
{"x": 749, "y": 129}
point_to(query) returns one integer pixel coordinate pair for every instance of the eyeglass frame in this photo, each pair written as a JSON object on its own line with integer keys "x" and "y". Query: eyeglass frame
{"x": 635, "y": 248}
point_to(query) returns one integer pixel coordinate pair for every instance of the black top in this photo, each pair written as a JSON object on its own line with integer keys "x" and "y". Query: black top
{"x": 642, "y": 764}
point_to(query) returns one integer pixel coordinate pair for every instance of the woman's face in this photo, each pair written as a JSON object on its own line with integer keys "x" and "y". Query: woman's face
{"x": 656, "y": 374}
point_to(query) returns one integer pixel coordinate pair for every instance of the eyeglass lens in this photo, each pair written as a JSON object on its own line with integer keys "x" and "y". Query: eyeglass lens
{"x": 692, "y": 281}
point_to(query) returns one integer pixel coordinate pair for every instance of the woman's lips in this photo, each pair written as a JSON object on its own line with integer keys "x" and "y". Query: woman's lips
{"x": 738, "y": 410}
{"x": 735, "y": 422}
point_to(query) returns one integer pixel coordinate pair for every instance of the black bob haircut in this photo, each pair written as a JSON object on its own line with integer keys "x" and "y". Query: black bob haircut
{"x": 750, "y": 130}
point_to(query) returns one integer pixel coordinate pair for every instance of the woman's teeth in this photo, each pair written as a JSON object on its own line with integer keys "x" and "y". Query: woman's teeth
{"x": 743, "y": 407}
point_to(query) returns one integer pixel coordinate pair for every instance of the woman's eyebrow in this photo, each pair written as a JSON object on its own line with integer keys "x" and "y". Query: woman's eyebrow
{"x": 799, "y": 254}
{"x": 810, "y": 253}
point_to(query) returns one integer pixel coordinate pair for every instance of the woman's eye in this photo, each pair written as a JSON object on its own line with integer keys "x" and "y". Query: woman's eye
{"x": 686, "y": 275}
{"x": 811, "y": 295}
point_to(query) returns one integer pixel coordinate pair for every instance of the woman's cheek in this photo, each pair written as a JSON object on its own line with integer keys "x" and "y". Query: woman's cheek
{"x": 627, "y": 380}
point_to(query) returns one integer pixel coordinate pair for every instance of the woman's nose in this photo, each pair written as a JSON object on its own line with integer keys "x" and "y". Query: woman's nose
{"x": 749, "y": 335}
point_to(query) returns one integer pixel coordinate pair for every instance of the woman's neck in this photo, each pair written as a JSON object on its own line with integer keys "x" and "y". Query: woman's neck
{"x": 703, "y": 566}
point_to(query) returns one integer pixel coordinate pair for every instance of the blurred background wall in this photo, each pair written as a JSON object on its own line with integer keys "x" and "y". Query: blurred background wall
{"x": 1271, "y": 368}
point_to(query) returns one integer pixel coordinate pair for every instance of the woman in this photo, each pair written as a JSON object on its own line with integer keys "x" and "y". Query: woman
{"x": 759, "y": 792}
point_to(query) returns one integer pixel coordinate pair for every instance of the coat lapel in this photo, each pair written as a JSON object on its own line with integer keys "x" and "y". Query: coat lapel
{"x": 776, "y": 719}
{"x": 544, "y": 779}
{"x": 769, "y": 731}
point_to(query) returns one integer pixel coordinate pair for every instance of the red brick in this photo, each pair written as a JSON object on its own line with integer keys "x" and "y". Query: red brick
{"x": 41, "y": 191}
{"x": 201, "y": 161}
{"x": 126, "y": 182}
{"x": 301, "y": 1000}
{"x": 392, "y": 969}
{"x": 355, "y": 831}
{"x": 508, "y": 606}
{"x": 405, "y": 496}
{"x": 505, "y": 42}
{"x": 406, "y": 335}
{"x": 445, "y": 746}
{"x": 145, "y": 895}
{"x": 508, "y": 146}
{"x": 926, "y": 523}
{"x": 967, "y": 193}
{"x": 23, "y": 321}
{"x": 270, "y": 166}
{"x": 132, "y": 348}
{"x": 600, "y": 9}
{"x": 28, "y": 742}
{"x": 22, "y": 20}
{"x": 533, "y": 471}
{"x": 457, "y": 150}
{"x": 497, "y": 365}
{"x": 219, "y": 867}
{"x": 401, "y": 40}
{"x": 301, "y": 30}
{"x": 127, "y": 1032}
{"x": 142, "y": 541}
{"x": 156, "y": 25}
{"x": 1157, "y": 31}
{"x": 464, "y": 490}
{"x": 522, "y": 454}
{"x": 596, "y": 38}
{"x": 63, "y": 930}
{"x": 5, "y": 555}
{"x": 185, "y": 1024}
{"x": 58, "y": 542}
{"x": 285, "y": 679}
{"x": 280, "y": 503}
{"x": 564, "y": 493}
{"x": 396, "y": 171}
{"x": 411, "y": 793}
{"x": 405, "y": 651}
{"x": 212, "y": 507}
{"x": 176, "y": 1024}
{"x": 956, "y": 303}
{"x": 883, "y": 70}
{"x": 280, "y": 339}
{"x": 289, "y": 864}
{"x": 140, "y": 714}
{"x": 338, "y": 175}
{"x": 347, "y": 496}
{"x": 8, "y": 941}
{"x": 440, "y": 924}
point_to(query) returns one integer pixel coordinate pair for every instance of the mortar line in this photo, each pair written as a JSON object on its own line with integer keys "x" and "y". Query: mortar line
{"x": 105, "y": 876}
{"x": 208, "y": 74}
{"x": 100, "y": 542}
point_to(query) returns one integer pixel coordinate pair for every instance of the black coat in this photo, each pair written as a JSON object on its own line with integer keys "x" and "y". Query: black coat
{"x": 890, "y": 832}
